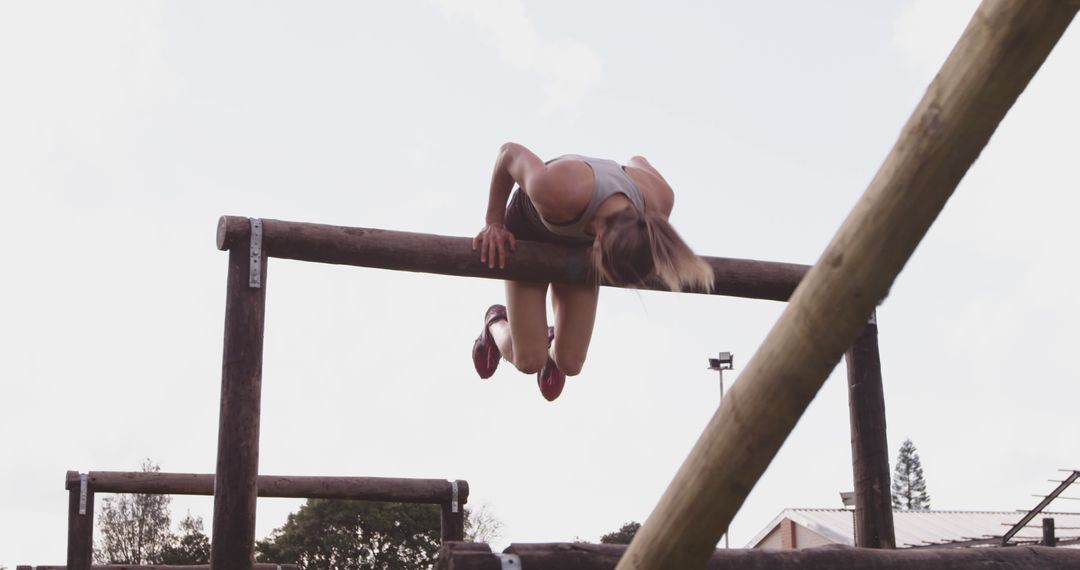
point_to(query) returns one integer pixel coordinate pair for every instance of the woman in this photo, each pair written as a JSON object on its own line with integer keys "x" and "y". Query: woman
{"x": 621, "y": 210}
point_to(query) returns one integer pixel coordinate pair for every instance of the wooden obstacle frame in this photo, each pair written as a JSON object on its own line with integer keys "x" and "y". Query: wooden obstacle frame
{"x": 830, "y": 310}
{"x": 580, "y": 556}
{"x": 450, "y": 496}
{"x": 251, "y": 242}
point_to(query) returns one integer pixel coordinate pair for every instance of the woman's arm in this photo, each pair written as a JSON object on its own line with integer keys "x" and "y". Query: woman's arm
{"x": 514, "y": 164}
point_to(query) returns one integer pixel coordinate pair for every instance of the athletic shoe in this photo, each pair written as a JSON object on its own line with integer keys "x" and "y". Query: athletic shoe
{"x": 485, "y": 353}
{"x": 550, "y": 379}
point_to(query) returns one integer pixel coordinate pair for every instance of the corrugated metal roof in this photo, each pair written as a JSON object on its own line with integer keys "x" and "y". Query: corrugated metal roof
{"x": 919, "y": 528}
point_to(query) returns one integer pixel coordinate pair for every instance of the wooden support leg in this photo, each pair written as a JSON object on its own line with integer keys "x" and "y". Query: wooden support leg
{"x": 453, "y": 525}
{"x": 236, "y": 480}
{"x": 1048, "y": 532}
{"x": 453, "y": 514}
{"x": 869, "y": 444}
{"x": 80, "y": 550}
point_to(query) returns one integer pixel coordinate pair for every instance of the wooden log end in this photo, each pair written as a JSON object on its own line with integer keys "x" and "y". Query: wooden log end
{"x": 232, "y": 230}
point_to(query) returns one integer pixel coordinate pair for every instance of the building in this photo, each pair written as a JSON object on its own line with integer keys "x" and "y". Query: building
{"x": 807, "y": 528}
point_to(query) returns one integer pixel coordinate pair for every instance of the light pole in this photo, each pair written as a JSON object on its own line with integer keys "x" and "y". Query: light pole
{"x": 726, "y": 361}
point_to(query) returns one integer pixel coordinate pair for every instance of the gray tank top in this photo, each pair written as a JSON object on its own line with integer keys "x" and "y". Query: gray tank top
{"x": 610, "y": 179}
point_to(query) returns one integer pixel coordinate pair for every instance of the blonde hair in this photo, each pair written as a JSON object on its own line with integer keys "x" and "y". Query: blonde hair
{"x": 634, "y": 246}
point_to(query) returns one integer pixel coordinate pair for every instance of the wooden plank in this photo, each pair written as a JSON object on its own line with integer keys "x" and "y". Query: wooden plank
{"x": 158, "y": 567}
{"x": 458, "y": 554}
{"x": 233, "y": 544}
{"x": 407, "y": 251}
{"x": 581, "y": 556}
{"x": 997, "y": 55}
{"x": 869, "y": 443}
{"x": 398, "y": 490}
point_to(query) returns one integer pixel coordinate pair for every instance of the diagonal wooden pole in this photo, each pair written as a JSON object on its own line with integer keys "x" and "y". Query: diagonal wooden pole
{"x": 999, "y": 52}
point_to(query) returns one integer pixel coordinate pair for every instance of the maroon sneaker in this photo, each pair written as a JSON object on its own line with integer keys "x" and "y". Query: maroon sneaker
{"x": 485, "y": 354}
{"x": 550, "y": 379}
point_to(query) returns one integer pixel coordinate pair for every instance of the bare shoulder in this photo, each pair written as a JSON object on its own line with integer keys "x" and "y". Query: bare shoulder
{"x": 563, "y": 190}
{"x": 659, "y": 197}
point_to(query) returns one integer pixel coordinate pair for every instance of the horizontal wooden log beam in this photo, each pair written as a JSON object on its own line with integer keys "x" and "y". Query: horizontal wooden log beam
{"x": 580, "y": 556}
{"x": 533, "y": 261}
{"x": 430, "y": 491}
{"x": 158, "y": 567}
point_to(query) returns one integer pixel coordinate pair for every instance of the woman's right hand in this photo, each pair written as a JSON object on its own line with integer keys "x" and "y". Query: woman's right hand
{"x": 493, "y": 241}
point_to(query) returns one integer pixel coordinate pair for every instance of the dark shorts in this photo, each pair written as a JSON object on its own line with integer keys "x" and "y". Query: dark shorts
{"x": 523, "y": 221}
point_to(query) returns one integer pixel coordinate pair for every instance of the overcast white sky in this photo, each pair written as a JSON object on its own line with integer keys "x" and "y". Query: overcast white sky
{"x": 127, "y": 128}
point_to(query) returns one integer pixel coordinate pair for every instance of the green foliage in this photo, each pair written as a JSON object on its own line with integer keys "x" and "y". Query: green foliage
{"x": 350, "y": 535}
{"x": 622, "y": 536}
{"x": 191, "y": 547}
{"x": 908, "y": 485}
{"x": 134, "y": 528}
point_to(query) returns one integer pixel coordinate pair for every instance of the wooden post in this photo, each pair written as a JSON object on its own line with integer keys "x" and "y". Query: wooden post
{"x": 869, "y": 443}
{"x": 235, "y": 484}
{"x": 453, "y": 513}
{"x": 80, "y": 550}
{"x": 994, "y": 60}
{"x": 1048, "y": 538}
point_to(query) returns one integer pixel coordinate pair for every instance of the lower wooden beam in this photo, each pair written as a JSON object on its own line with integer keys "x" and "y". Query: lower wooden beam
{"x": 580, "y": 556}
{"x": 390, "y": 489}
{"x": 158, "y": 567}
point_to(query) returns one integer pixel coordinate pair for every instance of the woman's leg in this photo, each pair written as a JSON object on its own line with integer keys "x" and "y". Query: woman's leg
{"x": 575, "y": 313}
{"x": 522, "y": 339}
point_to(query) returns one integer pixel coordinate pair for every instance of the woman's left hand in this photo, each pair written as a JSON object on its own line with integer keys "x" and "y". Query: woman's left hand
{"x": 493, "y": 241}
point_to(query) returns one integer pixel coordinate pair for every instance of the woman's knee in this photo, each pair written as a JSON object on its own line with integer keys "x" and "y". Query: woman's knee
{"x": 530, "y": 361}
{"x": 570, "y": 361}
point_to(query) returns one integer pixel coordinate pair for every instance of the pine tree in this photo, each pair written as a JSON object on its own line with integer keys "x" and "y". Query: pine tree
{"x": 908, "y": 485}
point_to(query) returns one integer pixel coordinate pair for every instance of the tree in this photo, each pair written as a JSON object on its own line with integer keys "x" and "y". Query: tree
{"x": 908, "y": 485}
{"x": 191, "y": 547}
{"x": 622, "y": 536}
{"x": 481, "y": 525}
{"x": 134, "y": 528}
{"x": 349, "y": 535}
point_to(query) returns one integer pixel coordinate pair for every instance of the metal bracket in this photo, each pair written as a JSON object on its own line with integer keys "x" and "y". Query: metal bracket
{"x": 255, "y": 273}
{"x": 454, "y": 507}
{"x": 82, "y": 492}
{"x": 509, "y": 561}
